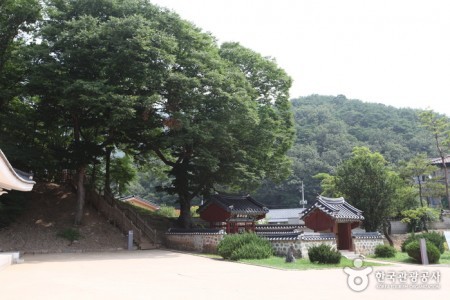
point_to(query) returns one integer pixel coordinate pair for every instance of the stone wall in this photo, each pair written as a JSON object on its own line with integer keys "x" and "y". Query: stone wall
{"x": 365, "y": 244}
{"x": 302, "y": 242}
{"x": 197, "y": 242}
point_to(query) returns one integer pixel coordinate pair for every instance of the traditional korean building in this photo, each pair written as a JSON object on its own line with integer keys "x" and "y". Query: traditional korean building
{"x": 13, "y": 179}
{"x": 233, "y": 213}
{"x": 336, "y": 216}
{"x": 140, "y": 202}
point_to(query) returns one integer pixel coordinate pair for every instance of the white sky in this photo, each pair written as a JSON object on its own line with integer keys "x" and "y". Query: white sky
{"x": 395, "y": 52}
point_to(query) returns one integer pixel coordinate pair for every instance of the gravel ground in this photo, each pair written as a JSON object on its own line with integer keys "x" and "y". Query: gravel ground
{"x": 51, "y": 210}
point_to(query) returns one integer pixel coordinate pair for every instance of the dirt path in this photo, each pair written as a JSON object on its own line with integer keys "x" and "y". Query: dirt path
{"x": 161, "y": 274}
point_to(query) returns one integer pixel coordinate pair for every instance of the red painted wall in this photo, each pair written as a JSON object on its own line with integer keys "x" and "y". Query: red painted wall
{"x": 214, "y": 213}
{"x": 319, "y": 221}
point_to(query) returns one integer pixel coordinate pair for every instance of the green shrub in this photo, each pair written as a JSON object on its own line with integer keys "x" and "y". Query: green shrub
{"x": 244, "y": 246}
{"x": 413, "y": 250}
{"x": 324, "y": 254}
{"x": 70, "y": 234}
{"x": 434, "y": 237}
{"x": 385, "y": 251}
{"x": 167, "y": 211}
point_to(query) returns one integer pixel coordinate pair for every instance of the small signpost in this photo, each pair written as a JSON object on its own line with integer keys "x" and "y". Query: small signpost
{"x": 130, "y": 240}
{"x": 423, "y": 252}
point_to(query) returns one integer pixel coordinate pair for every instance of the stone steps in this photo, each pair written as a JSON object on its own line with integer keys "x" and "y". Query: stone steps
{"x": 9, "y": 258}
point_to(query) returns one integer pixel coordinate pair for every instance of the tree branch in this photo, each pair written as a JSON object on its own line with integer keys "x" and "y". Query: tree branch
{"x": 162, "y": 157}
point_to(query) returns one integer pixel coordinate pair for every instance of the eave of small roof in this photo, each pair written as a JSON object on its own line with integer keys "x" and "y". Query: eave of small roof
{"x": 128, "y": 198}
{"x": 337, "y": 208}
{"x": 14, "y": 179}
{"x": 236, "y": 204}
{"x": 438, "y": 160}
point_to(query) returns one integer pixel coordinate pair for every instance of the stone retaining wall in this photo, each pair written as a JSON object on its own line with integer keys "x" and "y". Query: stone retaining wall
{"x": 197, "y": 242}
{"x": 366, "y": 246}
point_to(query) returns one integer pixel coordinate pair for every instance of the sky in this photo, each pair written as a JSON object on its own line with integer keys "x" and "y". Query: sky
{"x": 395, "y": 52}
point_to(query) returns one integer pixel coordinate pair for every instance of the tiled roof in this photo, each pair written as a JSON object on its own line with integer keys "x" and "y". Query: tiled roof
{"x": 131, "y": 197}
{"x": 367, "y": 235}
{"x": 337, "y": 208}
{"x": 279, "y": 228}
{"x": 277, "y": 236}
{"x": 438, "y": 160}
{"x": 236, "y": 204}
{"x": 317, "y": 236}
{"x": 284, "y": 213}
{"x": 196, "y": 231}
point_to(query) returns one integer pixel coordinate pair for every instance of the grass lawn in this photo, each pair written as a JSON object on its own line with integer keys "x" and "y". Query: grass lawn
{"x": 402, "y": 257}
{"x": 301, "y": 264}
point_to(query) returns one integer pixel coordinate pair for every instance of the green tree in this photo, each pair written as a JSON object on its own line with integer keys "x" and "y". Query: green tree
{"x": 367, "y": 182}
{"x": 416, "y": 171}
{"x": 221, "y": 128}
{"x": 96, "y": 72}
{"x": 439, "y": 127}
{"x": 17, "y": 18}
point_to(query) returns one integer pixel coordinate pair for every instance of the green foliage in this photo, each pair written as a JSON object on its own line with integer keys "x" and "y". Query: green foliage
{"x": 70, "y": 234}
{"x": 413, "y": 250}
{"x": 324, "y": 254}
{"x": 366, "y": 181}
{"x": 329, "y": 127}
{"x": 385, "y": 251}
{"x": 437, "y": 239}
{"x": 123, "y": 172}
{"x": 244, "y": 246}
{"x": 167, "y": 211}
{"x": 418, "y": 217}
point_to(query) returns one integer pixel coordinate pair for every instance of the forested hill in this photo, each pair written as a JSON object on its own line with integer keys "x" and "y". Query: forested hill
{"x": 328, "y": 128}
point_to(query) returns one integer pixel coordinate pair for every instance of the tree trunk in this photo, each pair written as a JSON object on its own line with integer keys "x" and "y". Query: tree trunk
{"x": 185, "y": 220}
{"x": 107, "y": 187}
{"x": 81, "y": 194}
{"x": 386, "y": 233}
{"x": 420, "y": 191}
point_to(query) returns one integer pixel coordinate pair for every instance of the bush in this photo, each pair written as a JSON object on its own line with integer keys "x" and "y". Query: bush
{"x": 324, "y": 254}
{"x": 244, "y": 246}
{"x": 70, "y": 234}
{"x": 385, "y": 251}
{"x": 413, "y": 250}
{"x": 434, "y": 237}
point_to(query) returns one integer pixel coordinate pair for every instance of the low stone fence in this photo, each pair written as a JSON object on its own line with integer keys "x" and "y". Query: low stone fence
{"x": 365, "y": 243}
{"x": 204, "y": 240}
{"x": 207, "y": 240}
{"x": 300, "y": 241}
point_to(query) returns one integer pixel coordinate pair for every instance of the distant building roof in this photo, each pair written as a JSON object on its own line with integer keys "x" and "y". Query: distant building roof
{"x": 337, "y": 208}
{"x": 138, "y": 200}
{"x": 284, "y": 213}
{"x": 235, "y": 204}
{"x": 438, "y": 160}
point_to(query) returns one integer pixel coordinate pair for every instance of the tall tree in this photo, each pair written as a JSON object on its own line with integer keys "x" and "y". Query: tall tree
{"x": 439, "y": 126}
{"x": 222, "y": 125}
{"x": 367, "y": 182}
{"x": 416, "y": 171}
{"x": 97, "y": 69}
{"x": 17, "y": 18}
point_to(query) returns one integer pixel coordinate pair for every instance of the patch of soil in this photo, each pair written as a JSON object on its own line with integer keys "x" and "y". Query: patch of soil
{"x": 50, "y": 210}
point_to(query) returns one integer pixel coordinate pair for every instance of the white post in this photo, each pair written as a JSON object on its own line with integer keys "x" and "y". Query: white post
{"x": 423, "y": 252}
